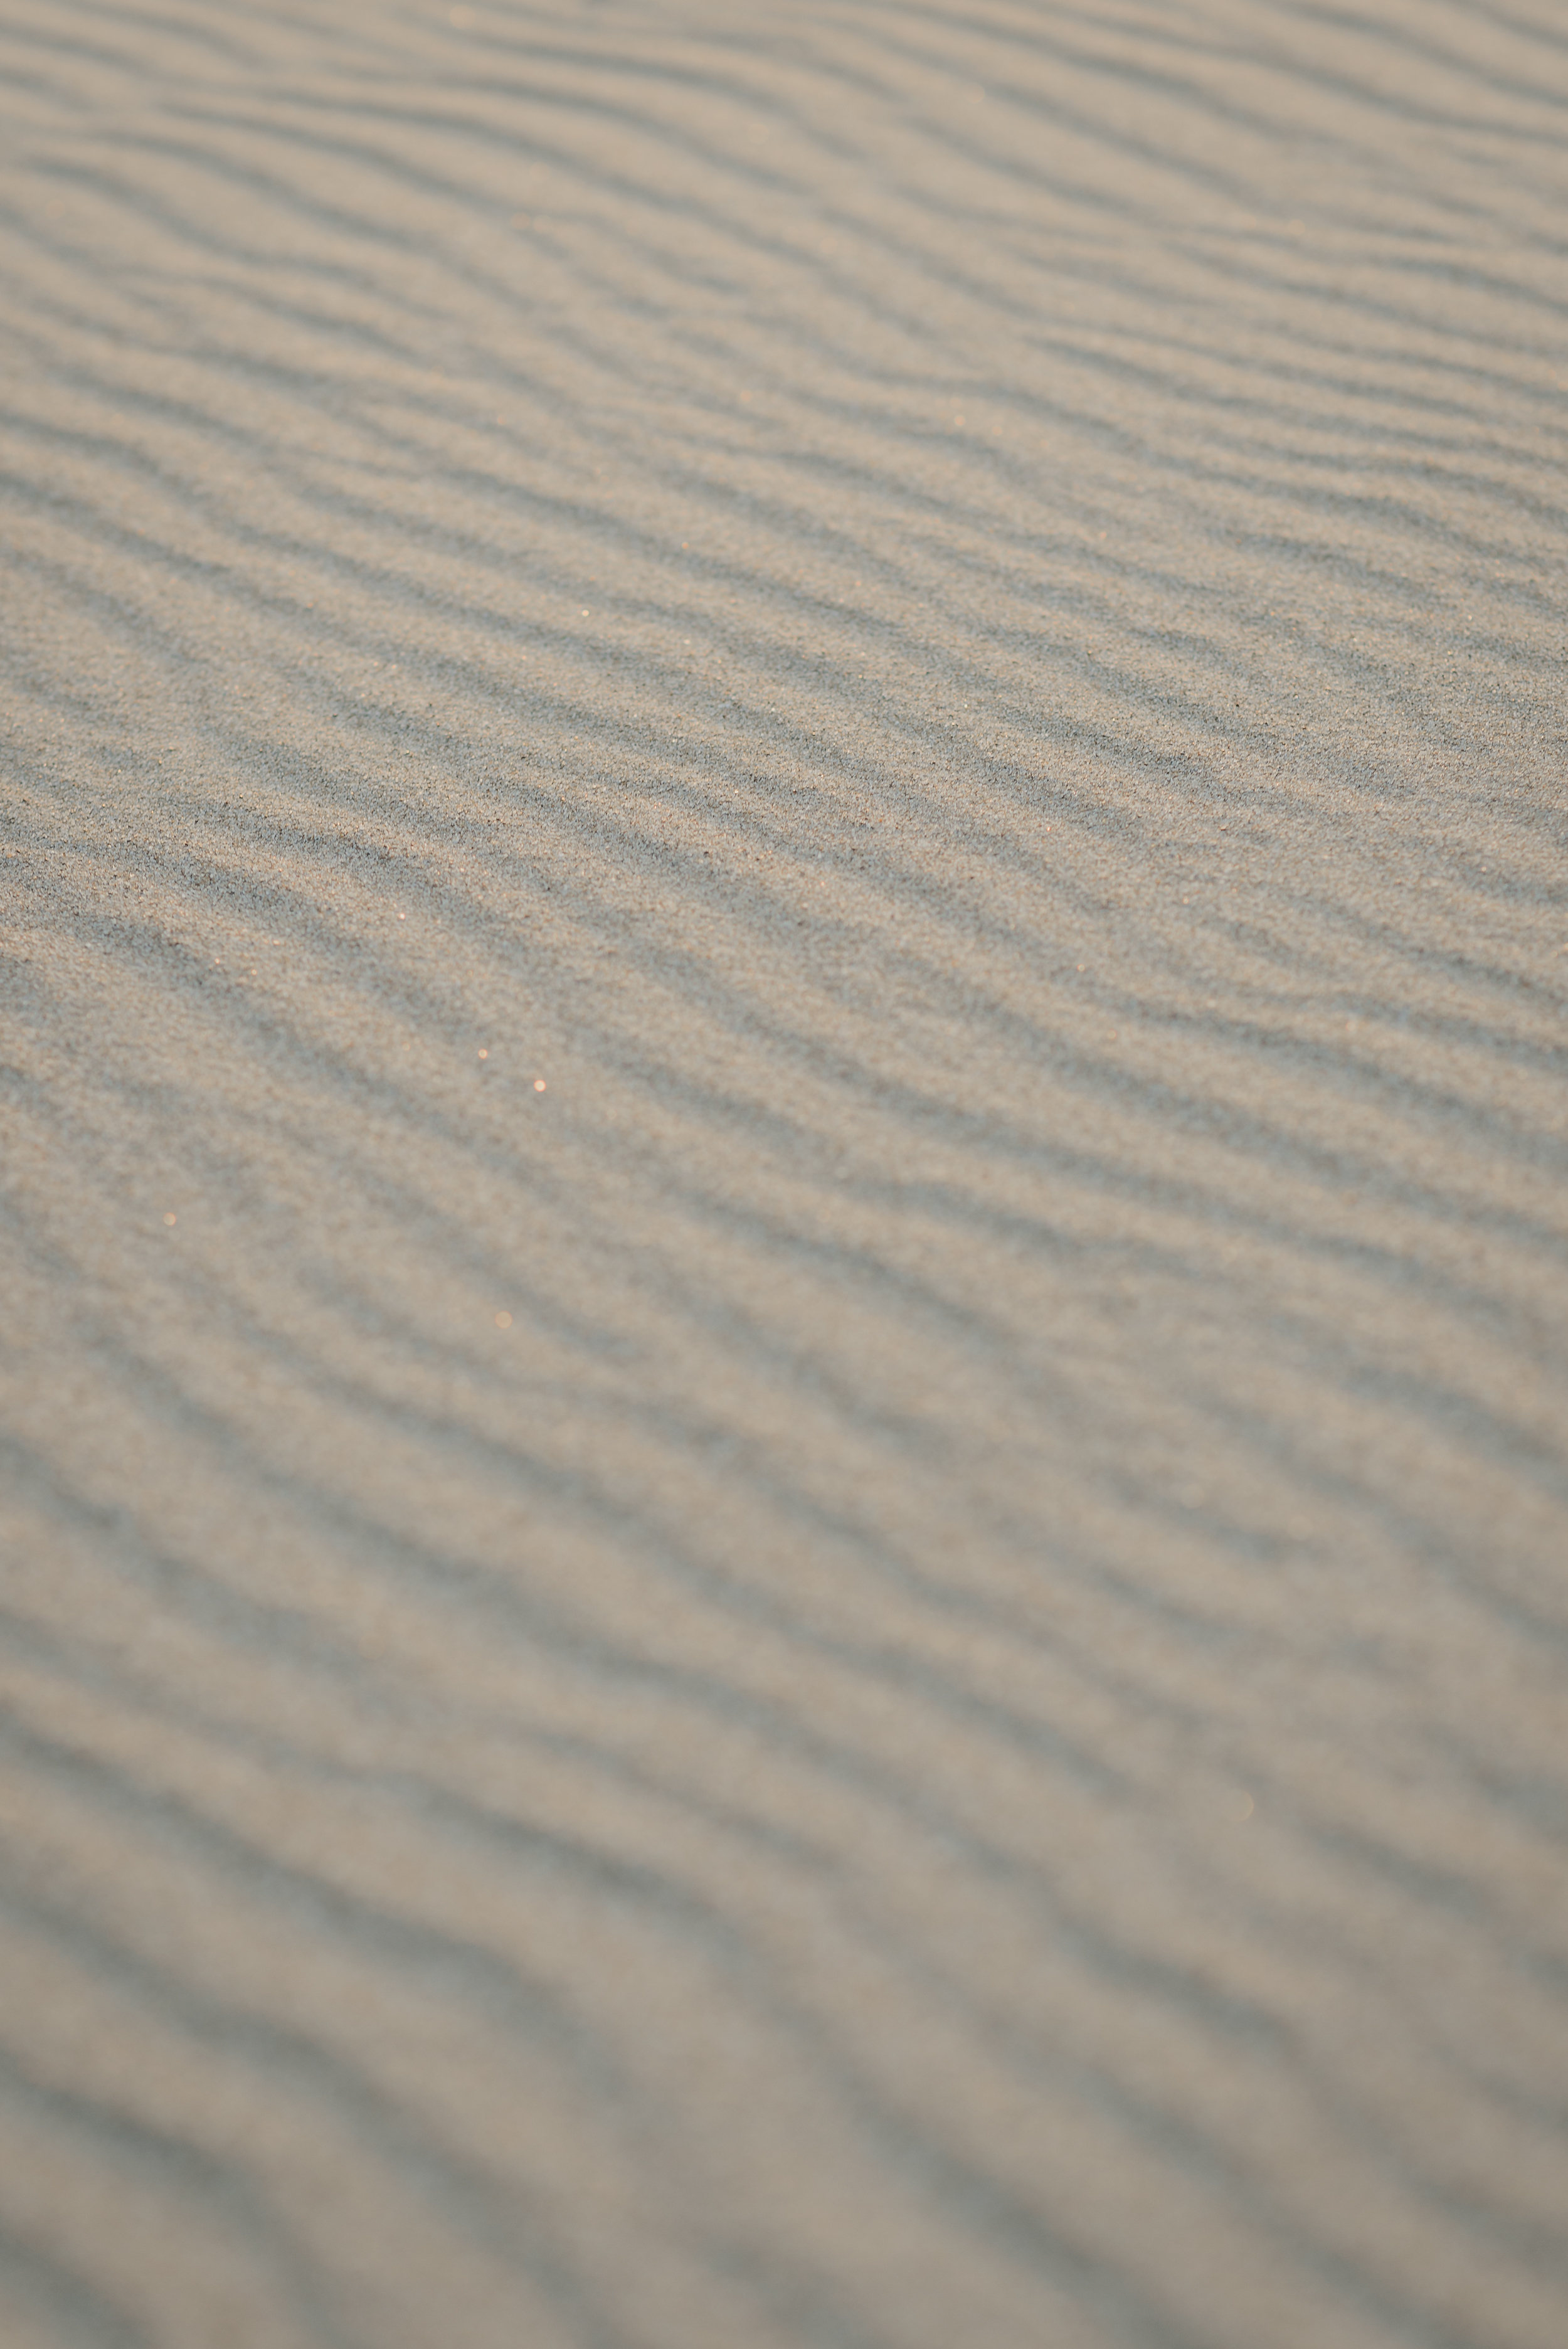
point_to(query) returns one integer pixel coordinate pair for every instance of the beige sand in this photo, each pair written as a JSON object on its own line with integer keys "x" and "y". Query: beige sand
{"x": 784, "y": 1249}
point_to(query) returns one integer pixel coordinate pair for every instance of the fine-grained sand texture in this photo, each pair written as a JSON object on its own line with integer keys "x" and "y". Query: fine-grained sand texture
{"x": 785, "y": 1295}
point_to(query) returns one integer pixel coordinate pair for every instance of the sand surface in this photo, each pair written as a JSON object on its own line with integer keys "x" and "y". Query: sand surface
{"x": 784, "y": 1240}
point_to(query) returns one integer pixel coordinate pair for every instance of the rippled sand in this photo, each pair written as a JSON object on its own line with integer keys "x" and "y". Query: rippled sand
{"x": 784, "y": 1272}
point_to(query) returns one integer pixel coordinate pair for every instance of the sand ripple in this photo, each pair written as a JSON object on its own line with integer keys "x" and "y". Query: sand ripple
{"x": 783, "y": 1198}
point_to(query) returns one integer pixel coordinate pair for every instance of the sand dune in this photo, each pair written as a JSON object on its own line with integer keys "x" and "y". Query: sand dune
{"x": 785, "y": 1252}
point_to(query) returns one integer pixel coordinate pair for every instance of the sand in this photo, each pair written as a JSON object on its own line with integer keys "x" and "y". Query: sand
{"x": 783, "y": 1487}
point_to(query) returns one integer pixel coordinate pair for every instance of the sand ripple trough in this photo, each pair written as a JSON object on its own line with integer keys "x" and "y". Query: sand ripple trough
{"x": 782, "y": 1211}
